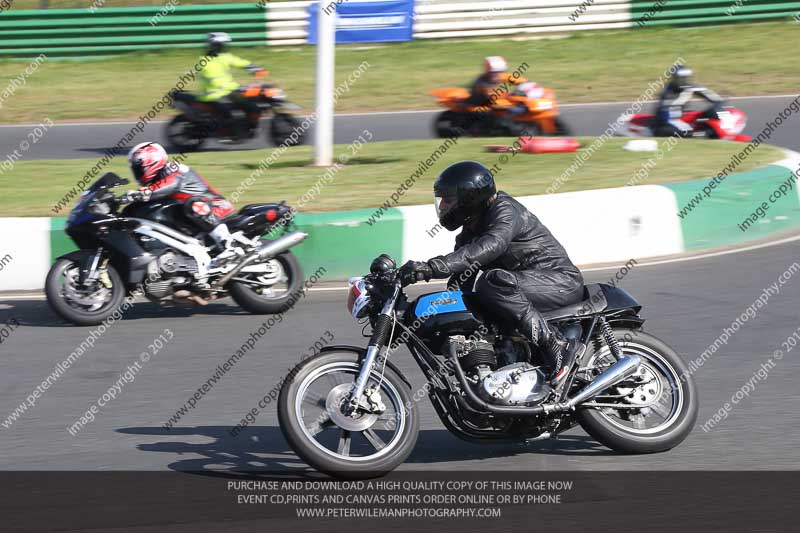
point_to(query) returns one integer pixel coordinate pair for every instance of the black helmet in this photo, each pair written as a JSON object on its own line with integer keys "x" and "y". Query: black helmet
{"x": 681, "y": 77}
{"x": 217, "y": 41}
{"x": 462, "y": 191}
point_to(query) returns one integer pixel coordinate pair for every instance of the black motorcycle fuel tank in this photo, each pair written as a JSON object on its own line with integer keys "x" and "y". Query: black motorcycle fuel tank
{"x": 166, "y": 212}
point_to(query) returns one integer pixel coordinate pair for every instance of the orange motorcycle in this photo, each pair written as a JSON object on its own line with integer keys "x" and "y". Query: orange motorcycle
{"x": 526, "y": 111}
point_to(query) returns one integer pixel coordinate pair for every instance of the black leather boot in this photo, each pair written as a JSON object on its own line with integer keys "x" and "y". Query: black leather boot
{"x": 562, "y": 353}
{"x": 559, "y": 353}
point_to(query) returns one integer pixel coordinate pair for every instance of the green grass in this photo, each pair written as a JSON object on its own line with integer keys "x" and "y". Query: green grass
{"x": 377, "y": 169}
{"x": 738, "y": 59}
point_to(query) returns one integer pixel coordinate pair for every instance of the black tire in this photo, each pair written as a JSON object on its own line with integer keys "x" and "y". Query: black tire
{"x": 281, "y": 128}
{"x": 252, "y": 302}
{"x": 710, "y": 133}
{"x": 618, "y": 439}
{"x": 327, "y": 463}
{"x": 78, "y": 317}
{"x": 189, "y": 140}
{"x": 524, "y": 129}
{"x": 562, "y": 130}
{"x": 447, "y": 123}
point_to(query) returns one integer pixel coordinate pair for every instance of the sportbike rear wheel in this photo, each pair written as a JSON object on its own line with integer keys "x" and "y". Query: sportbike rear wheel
{"x": 271, "y": 290}
{"x": 313, "y": 415}
{"x": 658, "y": 405}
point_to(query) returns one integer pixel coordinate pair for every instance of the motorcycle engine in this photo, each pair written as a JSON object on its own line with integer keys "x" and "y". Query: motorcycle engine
{"x": 164, "y": 273}
{"x": 514, "y": 381}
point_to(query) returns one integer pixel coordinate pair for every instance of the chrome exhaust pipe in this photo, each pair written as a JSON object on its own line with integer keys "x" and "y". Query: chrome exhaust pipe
{"x": 622, "y": 369}
{"x": 268, "y": 250}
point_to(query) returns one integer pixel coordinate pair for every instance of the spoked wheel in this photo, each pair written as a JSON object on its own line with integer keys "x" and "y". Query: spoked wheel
{"x": 83, "y": 305}
{"x": 319, "y": 424}
{"x": 269, "y": 287}
{"x": 184, "y": 134}
{"x": 284, "y": 129}
{"x": 657, "y": 406}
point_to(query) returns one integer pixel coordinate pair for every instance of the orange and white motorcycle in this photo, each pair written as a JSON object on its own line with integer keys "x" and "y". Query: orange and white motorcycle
{"x": 529, "y": 110}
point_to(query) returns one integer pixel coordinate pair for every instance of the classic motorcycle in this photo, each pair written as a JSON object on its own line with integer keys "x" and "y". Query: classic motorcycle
{"x": 200, "y": 120}
{"x": 540, "y": 115}
{"x": 153, "y": 247}
{"x": 350, "y": 412}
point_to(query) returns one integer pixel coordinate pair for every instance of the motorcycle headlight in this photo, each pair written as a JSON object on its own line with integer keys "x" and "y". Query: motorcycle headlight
{"x": 544, "y": 105}
{"x": 358, "y": 298}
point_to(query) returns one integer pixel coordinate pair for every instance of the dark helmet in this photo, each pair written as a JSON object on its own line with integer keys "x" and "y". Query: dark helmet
{"x": 217, "y": 41}
{"x": 462, "y": 191}
{"x": 681, "y": 78}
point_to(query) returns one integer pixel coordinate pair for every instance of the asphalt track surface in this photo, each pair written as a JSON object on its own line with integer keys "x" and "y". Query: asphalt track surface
{"x": 688, "y": 303}
{"x": 91, "y": 140}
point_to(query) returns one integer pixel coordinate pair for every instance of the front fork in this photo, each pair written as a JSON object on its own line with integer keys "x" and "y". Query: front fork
{"x": 380, "y": 336}
{"x": 91, "y": 270}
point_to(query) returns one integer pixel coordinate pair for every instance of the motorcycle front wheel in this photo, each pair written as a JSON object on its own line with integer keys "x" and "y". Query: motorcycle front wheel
{"x": 83, "y": 306}
{"x": 284, "y": 129}
{"x": 312, "y": 412}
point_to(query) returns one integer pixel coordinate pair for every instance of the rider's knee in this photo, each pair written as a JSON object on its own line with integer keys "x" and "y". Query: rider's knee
{"x": 496, "y": 281}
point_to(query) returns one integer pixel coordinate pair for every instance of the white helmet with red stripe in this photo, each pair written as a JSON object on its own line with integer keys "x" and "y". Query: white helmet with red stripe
{"x": 495, "y": 64}
{"x": 146, "y": 161}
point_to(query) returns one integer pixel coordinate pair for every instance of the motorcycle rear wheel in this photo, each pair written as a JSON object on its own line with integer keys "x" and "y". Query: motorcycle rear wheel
{"x": 310, "y": 420}
{"x": 672, "y": 392}
{"x": 448, "y": 124}
{"x": 182, "y": 134}
{"x": 253, "y": 302}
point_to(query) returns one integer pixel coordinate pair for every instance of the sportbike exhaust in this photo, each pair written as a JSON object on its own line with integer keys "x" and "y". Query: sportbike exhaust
{"x": 268, "y": 250}
{"x": 622, "y": 369}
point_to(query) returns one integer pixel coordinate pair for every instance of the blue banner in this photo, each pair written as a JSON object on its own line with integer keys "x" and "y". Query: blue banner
{"x": 366, "y": 22}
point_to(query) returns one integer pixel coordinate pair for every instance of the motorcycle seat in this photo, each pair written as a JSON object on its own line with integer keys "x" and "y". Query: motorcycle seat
{"x": 183, "y": 96}
{"x": 593, "y": 300}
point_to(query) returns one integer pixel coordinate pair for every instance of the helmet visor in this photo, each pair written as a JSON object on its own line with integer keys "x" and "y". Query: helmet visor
{"x": 444, "y": 205}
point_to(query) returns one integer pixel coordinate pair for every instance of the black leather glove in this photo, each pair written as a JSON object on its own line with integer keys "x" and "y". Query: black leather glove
{"x": 414, "y": 271}
{"x": 136, "y": 196}
{"x": 439, "y": 267}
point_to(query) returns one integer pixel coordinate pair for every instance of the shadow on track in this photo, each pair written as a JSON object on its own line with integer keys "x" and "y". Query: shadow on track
{"x": 37, "y": 313}
{"x": 262, "y": 449}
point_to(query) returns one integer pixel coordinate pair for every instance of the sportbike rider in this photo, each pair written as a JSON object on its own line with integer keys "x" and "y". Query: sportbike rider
{"x": 203, "y": 205}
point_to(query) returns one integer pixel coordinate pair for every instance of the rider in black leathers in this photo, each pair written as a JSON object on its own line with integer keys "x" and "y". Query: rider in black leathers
{"x": 678, "y": 92}
{"x": 523, "y": 268}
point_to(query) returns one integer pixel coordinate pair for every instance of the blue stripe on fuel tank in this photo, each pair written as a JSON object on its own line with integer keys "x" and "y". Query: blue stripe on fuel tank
{"x": 440, "y": 302}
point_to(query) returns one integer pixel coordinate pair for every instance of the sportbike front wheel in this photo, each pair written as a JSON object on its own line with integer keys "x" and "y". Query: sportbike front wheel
{"x": 652, "y": 411}
{"x": 79, "y": 304}
{"x": 318, "y": 425}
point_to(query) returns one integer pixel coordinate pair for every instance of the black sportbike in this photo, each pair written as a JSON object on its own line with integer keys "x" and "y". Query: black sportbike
{"x": 199, "y": 120}
{"x": 153, "y": 248}
{"x": 350, "y": 412}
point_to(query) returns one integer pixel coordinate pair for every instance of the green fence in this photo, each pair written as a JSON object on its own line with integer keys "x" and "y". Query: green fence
{"x": 695, "y": 12}
{"x": 65, "y": 32}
